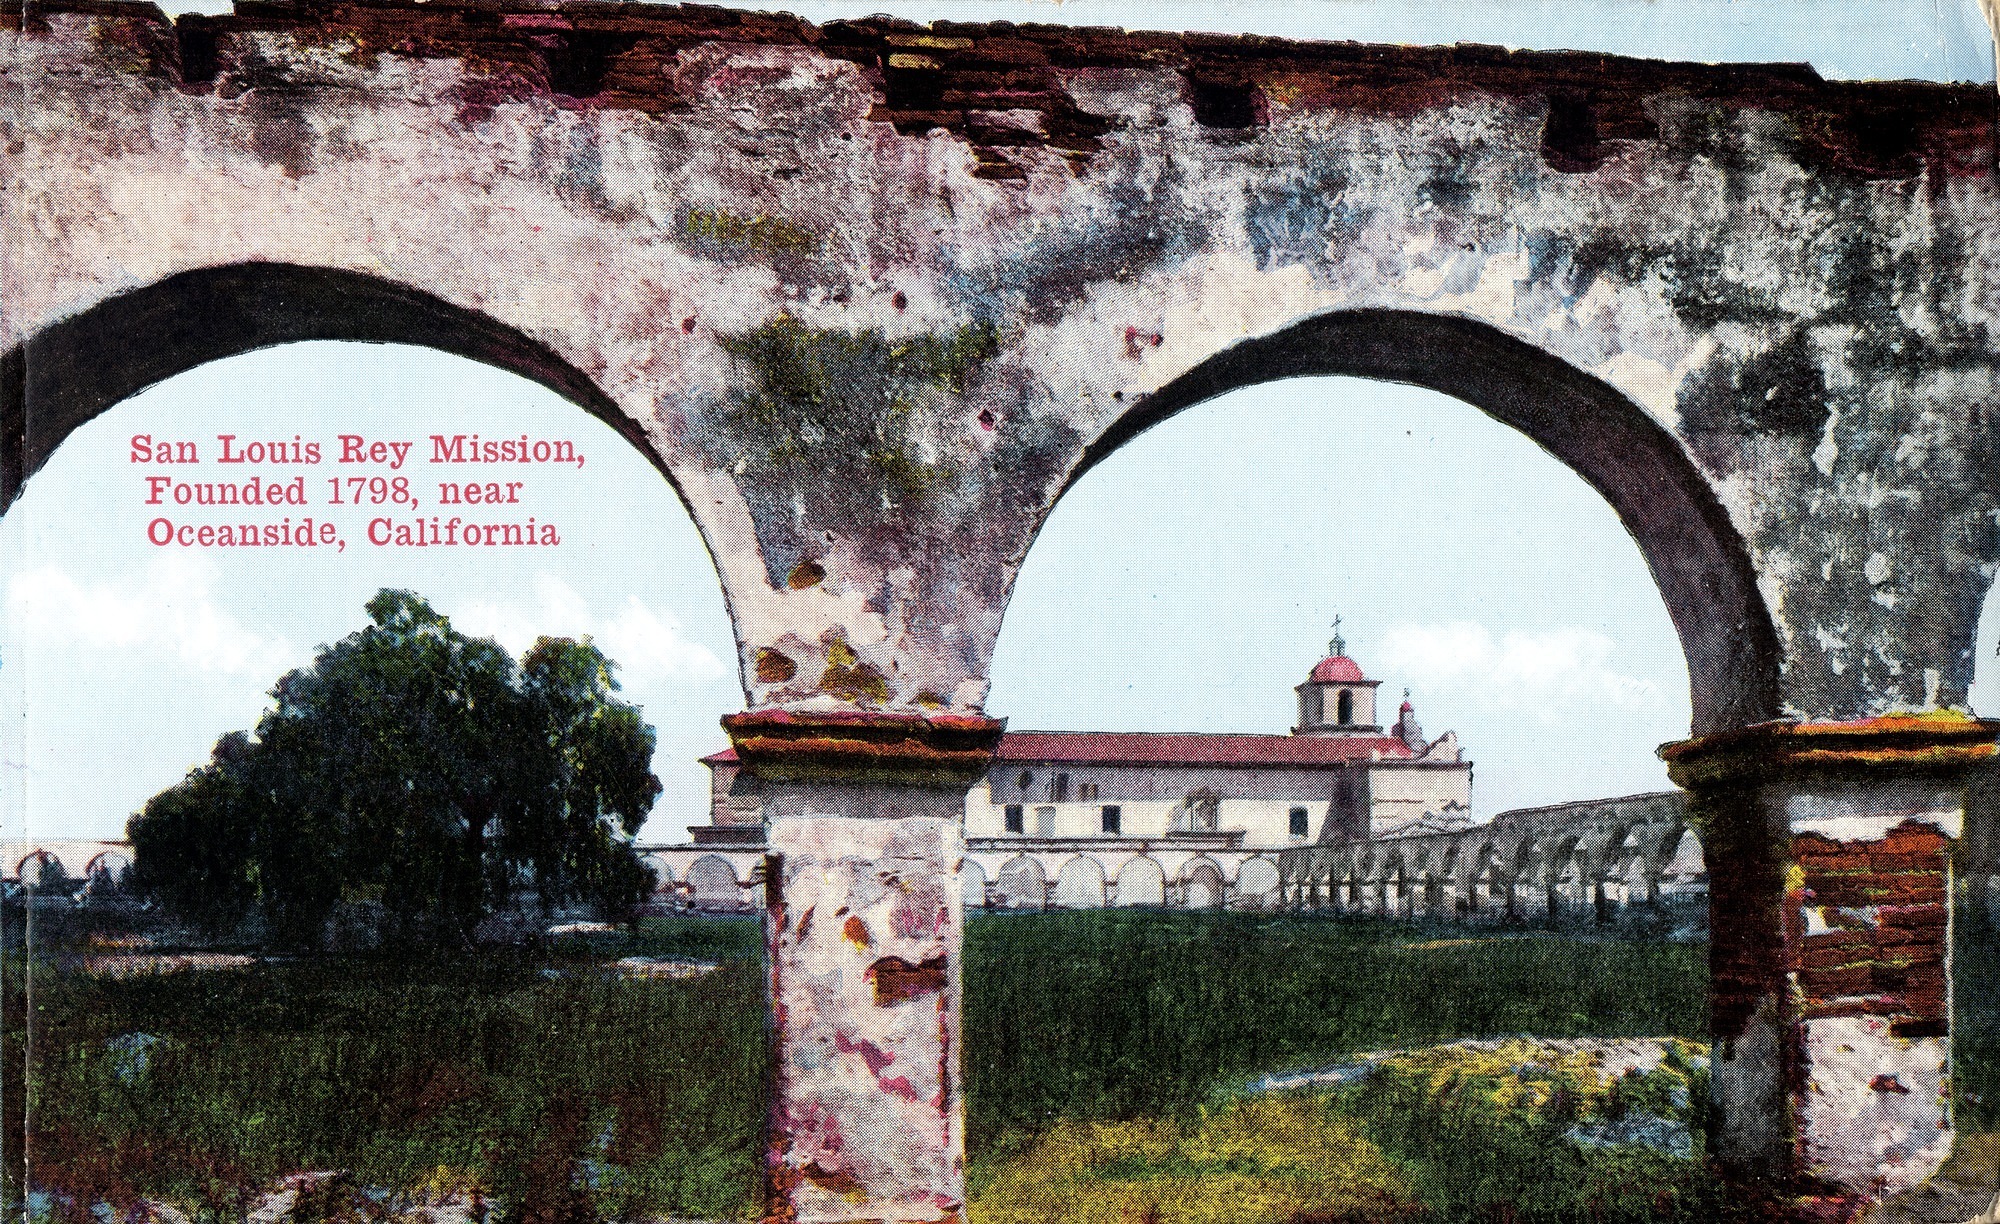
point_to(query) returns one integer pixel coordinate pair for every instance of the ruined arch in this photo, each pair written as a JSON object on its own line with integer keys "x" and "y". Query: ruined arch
{"x": 1565, "y": 853}
{"x": 76, "y": 369}
{"x": 1431, "y": 893}
{"x": 972, "y": 882}
{"x": 1141, "y": 882}
{"x": 29, "y": 870}
{"x": 713, "y": 882}
{"x": 1452, "y": 863}
{"x": 1529, "y": 859}
{"x": 1565, "y": 860}
{"x": 1080, "y": 884}
{"x": 1489, "y": 880}
{"x": 1202, "y": 884}
{"x": 1022, "y": 884}
{"x": 1608, "y": 846}
{"x": 1682, "y": 860}
{"x": 1393, "y": 891}
{"x": 663, "y": 875}
{"x": 1352, "y": 876}
{"x": 1633, "y": 864}
{"x": 1257, "y": 882}
{"x": 1474, "y": 865}
{"x": 1697, "y": 558}
{"x": 112, "y": 865}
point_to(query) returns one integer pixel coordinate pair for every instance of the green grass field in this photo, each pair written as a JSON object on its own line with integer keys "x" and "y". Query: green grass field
{"x": 554, "y": 1087}
{"x": 1122, "y": 1013}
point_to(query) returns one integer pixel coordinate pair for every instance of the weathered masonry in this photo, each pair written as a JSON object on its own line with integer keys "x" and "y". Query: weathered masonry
{"x": 873, "y": 295}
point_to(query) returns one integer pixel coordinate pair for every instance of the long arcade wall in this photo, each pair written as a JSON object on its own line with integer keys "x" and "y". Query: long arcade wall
{"x": 1587, "y": 861}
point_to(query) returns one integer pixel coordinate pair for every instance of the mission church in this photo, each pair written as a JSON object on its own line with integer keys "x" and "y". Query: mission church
{"x": 1092, "y": 818}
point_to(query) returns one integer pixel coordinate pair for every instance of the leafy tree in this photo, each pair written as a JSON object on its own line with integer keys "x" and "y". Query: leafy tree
{"x": 414, "y": 768}
{"x": 192, "y": 841}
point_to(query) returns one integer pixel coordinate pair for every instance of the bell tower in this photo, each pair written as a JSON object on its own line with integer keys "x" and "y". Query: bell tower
{"x": 1337, "y": 699}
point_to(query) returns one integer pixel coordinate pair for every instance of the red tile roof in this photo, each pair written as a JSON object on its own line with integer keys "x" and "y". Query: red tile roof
{"x": 1177, "y": 748}
{"x": 1339, "y": 669}
{"x": 1152, "y": 748}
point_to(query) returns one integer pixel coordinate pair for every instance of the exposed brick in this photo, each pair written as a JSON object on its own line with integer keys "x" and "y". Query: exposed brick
{"x": 1839, "y": 982}
{"x": 1928, "y": 916}
{"x": 632, "y": 47}
{"x": 897, "y": 979}
{"x": 1817, "y": 959}
{"x": 1852, "y": 1005}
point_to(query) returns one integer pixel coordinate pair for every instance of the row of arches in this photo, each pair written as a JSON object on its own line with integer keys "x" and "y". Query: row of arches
{"x": 1599, "y": 858}
{"x": 1557, "y": 874}
{"x": 715, "y": 881}
{"x": 707, "y": 881}
{"x": 76, "y": 368}
{"x": 89, "y": 865}
{"x": 1084, "y": 881}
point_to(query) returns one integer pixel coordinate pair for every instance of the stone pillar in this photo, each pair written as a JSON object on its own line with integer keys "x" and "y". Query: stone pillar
{"x": 1829, "y": 855}
{"x": 863, "y": 924}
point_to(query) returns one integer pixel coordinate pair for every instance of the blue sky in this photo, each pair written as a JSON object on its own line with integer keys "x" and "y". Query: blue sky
{"x": 1186, "y": 584}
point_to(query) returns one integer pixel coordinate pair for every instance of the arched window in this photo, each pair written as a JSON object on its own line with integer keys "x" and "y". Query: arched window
{"x": 1346, "y": 707}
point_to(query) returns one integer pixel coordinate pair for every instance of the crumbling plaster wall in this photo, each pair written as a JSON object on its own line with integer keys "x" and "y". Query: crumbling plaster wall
{"x": 872, "y": 291}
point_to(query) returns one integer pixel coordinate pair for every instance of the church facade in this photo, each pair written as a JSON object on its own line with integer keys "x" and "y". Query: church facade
{"x": 1081, "y": 819}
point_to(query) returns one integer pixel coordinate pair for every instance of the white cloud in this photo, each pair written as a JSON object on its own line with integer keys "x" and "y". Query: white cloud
{"x": 643, "y": 641}
{"x": 168, "y": 608}
{"x": 1552, "y": 673}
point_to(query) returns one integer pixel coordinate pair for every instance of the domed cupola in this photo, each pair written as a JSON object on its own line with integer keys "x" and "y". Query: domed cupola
{"x": 1337, "y": 698}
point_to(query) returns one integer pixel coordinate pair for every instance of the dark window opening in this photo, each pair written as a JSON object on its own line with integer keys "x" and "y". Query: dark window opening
{"x": 1346, "y": 706}
{"x": 1224, "y": 104}
{"x": 197, "y": 48}
{"x": 1113, "y": 817}
{"x": 582, "y": 59}
{"x": 1025, "y": 780}
{"x": 1059, "y": 788}
{"x": 1299, "y": 819}
{"x": 1016, "y": 818}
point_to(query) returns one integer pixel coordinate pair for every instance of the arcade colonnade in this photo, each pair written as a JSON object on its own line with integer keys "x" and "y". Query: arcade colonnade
{"x": 873, "y": 295}
{"x": 1586, "y": 863}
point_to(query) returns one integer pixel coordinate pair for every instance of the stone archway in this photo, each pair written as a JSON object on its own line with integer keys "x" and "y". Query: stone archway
{"x": 1731, "y": 385}
{"x": 81, "y": 366}
{"x": 1696, "y": 554}
{"x": 972, "y": 881}
{"x": 1257, "y": 884}
{"x": 1021, "y": 884}
{"x": 1202, "y": 886}
{"x": 713, "y": 883}
{"x": 1080, "y": 884}
{"x": 1141, "y": 882}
